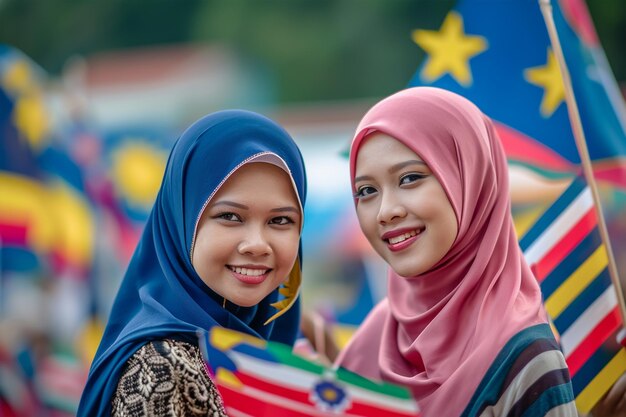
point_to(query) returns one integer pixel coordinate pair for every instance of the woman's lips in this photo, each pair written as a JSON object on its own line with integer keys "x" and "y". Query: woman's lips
{"x": 249, "y": 275}
{"x": 398, "y": 240}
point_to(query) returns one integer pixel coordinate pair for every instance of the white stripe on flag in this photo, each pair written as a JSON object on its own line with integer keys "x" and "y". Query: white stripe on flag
{"x": 587, "y": 321}
{"x": 559, "y": 227}
{"x": 236, "y": 413}
{"x": 374, "y": 399}
{"x": 275, "y": 373}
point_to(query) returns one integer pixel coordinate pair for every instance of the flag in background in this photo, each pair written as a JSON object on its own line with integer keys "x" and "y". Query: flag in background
{"x": 566, "y": 253}
{"x": 47, "y": 233}
{"x": 260, "y": 378}
{"x": 498, "y": 55}
{"x": 23, "y": 130}
{"x": 131, "y": 167}
{"x": 46, "y": 220}
{"x": 16, "y": 395}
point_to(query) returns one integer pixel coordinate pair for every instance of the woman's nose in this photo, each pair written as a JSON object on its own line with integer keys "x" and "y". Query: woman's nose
{"x": 254, "y": 243}
{"x": 391, "y": 209}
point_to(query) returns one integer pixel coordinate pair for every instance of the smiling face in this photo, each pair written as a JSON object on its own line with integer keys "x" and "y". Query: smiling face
{"x": 402, "y": 208}
{"x": 247, "y": 238}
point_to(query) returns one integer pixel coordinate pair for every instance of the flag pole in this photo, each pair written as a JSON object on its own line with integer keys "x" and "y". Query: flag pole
{"x": 581, "y": 144}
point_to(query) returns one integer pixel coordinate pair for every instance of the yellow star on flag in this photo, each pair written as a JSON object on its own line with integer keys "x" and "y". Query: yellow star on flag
{"x": 31, "y": 119}
{"x": 18, "y": 77}
{"x": 549, "y": 78}
{"x": 449, "y": 50}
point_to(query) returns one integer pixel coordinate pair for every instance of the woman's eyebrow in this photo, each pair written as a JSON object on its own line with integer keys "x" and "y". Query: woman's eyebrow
{"x": 393, "y": 168}
{"x": 289, "y": 208}
{"x": 399, "y": 166}
{"x": 244, "y": 207}
{"x": 363, "y": 178}
{"x": 231, "y": 203}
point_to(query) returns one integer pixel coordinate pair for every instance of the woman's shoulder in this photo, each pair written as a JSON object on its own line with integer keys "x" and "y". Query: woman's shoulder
{"x": 166, "y": 377}
{"x": 529, "y": 376}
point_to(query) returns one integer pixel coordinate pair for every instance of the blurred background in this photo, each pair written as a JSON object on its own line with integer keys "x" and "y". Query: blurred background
{"x": 93, "y": 95}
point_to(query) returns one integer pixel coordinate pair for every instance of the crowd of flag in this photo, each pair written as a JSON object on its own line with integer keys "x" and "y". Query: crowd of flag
{"x": 70, "y": 214}
{"x": 69, "y": 203}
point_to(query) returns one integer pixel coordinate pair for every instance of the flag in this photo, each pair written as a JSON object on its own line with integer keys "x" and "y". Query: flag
{"x": 16, "y": 393}
{"x": 59, "y": 381}
{"x": 565, "y": 251}
{"x": 498, "y": 55}
{"x": 132, "y": 164}
{"x": 23, "y": 127}
{"x": 46, "y": 220}
{"x": 260, "y": 378}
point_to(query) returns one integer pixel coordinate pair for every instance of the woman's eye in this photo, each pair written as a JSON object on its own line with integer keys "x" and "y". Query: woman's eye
{"x": 364, "y": 191}
{"x": 282, "y": 220}
{"x": 231, "y": 217}
{"x": 411, "y": 178}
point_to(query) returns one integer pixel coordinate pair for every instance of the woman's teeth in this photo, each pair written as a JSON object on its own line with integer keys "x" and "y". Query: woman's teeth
{"x": 249, "y": 271}
{"x": 402, "y": 238}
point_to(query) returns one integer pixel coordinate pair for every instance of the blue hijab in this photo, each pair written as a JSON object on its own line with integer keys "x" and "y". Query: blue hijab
{"x": 161, "y": 295}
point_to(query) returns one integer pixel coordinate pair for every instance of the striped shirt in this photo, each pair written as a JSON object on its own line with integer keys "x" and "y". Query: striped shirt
{"x": 529, "y": 377}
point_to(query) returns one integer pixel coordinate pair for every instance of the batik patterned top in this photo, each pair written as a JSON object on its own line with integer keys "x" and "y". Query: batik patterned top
{"x": 528, "y": 378}
{"x": 166, "y": 378}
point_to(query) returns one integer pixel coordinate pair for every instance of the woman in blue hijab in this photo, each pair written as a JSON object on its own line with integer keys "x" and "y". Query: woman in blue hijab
{"x": 222, "y": 239}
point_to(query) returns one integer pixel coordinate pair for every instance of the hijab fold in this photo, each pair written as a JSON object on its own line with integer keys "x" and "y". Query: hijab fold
{"x": 161, "y": 295}
{"x": 442, "y": 330}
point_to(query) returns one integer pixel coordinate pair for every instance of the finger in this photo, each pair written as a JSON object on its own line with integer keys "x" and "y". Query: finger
{"x": 616, "y": 394}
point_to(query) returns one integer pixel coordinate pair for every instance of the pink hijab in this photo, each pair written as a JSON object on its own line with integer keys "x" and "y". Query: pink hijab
{"x": 438, "y": 333}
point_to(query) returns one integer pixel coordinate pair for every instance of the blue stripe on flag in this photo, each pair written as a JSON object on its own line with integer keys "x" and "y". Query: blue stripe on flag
{"x": 591, "y": 369}
{"x": 571, "y": 262}
{"x": 576, "y": 187}
{"x": 214, "y": 358}
{"x": 583, "y": 301}
{"x": 260, "y": 353}
{"x": 555, "y": 210}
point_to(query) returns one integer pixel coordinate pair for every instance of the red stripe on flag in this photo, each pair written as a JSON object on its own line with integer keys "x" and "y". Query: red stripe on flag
{"x": 254, "y": 406}
{"x": 281, "y": 390}
{"x": 65, "y": 380}
{"x": 612, "y": 171}
{"x": 593, "y": 341}
{"x": 14, "y": 234}
{"x": 520, "y": 147}
{"x": 66, "y": 267}
{"x": 6, "y": 410}
{"x": 555, "y": 256}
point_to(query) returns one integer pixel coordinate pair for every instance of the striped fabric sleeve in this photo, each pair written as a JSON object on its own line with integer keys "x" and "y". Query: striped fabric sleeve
{"x": 528, "y": 378}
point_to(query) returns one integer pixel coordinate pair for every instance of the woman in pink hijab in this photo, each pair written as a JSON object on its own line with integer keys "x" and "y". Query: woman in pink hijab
{"x": 463, "y": 324}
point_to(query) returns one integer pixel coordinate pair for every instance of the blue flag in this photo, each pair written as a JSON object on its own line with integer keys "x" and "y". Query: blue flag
{"x": 498, "y": 55}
